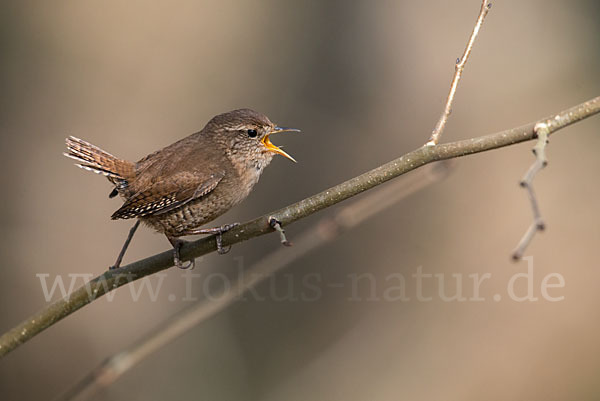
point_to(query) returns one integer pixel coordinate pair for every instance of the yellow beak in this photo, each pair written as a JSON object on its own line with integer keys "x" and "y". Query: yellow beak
{"x": 269, "y": 145}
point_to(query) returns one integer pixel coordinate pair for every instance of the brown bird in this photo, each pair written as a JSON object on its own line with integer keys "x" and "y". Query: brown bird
{"x": 178, "y": 189}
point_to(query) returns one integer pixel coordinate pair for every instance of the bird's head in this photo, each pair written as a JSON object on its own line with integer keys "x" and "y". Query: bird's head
{"x": 247, "y": 133}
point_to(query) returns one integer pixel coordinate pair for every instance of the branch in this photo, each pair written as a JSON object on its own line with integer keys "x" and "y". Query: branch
{"x": 539, "y": 150}
{"x": 458, "y": 69}
{"x": 317, "y": 235}
{"x": 111, "y": 280}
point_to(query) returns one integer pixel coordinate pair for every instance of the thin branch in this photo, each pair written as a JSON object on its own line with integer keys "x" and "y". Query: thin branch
{"x": 276, "y": 224}
{"x": 113, "y": 279}
{"x": 460, "y": 66}
{"x": 539, "y": 150}
{"x": 316, "y": 236}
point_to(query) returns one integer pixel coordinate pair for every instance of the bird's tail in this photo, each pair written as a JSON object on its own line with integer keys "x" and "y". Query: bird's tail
{"x": 94, "y": 159}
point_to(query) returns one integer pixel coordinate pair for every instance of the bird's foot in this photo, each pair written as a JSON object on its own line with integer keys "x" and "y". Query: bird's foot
{"x": 177, "y": 244}
{"x": 218, "y": 231}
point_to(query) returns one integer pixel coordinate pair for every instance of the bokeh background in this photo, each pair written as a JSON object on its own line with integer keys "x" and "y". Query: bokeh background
{"x": 365, "y": 81}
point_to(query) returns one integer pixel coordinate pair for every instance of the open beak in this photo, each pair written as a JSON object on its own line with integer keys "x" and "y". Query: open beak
{"x": 269, "y": 145}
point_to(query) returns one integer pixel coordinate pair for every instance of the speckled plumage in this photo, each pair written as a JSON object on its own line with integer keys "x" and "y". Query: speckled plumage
{"x": 179, "y": 188}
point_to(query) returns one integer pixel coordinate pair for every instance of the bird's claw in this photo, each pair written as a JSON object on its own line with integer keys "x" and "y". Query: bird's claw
{"x": 219, "y": 237}
{"x": 177, "y": 243}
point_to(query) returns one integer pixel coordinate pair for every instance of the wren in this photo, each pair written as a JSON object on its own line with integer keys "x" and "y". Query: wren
{"x": 183, "y": 186}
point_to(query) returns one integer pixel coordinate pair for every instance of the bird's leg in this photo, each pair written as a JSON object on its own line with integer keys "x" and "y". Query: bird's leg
{"x": 219, "y": 231}
{"x": 125, "y": 246}
{"x": 177, "y": 243}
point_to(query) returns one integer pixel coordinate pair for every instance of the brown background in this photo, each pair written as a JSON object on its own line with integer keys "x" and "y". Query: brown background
{"x": 366, "y": 82}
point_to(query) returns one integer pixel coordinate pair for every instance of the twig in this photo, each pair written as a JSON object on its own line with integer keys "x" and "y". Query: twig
{"x": 539, "y": 150}
{"x": 110, "y": 280}
{"x": 460, "y": 65}
{"x": 276, "y": 224}
{"x": 318, "y": 235}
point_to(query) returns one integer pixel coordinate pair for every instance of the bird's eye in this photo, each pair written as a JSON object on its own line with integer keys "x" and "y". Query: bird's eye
{"x": 252, "y": 133}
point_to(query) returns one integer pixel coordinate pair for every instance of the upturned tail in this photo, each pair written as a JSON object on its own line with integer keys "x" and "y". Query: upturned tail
{"x": 94, "y": 159}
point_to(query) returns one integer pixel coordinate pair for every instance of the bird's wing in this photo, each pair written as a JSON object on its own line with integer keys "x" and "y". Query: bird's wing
{"x": 169, "y": 194}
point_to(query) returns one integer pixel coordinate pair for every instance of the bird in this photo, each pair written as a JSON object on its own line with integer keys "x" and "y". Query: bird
{"x": 180, "y": 188}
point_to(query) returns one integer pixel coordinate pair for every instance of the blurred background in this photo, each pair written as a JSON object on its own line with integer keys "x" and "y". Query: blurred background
{"x": 366, "y": 82}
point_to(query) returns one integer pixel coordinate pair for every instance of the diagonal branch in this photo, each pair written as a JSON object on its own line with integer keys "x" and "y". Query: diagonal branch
{"x": 317, "y": 235}
{"x": 113, "y": 279}
{"x": 458, "y": 69}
